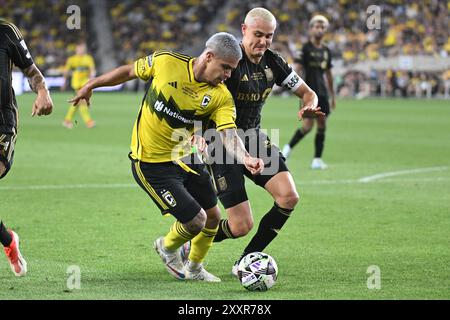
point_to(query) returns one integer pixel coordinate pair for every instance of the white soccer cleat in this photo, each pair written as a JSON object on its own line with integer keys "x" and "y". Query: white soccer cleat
{"x": 199, "y": 274}
{"x": 286, "y": 151}
{"x": 185, "y": 250}
{"x": 15, "y": 259}
{"x": 318, "y": 163}
{"x": 172, "y": 260}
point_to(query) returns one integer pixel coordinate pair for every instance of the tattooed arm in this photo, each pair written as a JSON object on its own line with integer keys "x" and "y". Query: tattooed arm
{"x": 43, "y": 104}
{"x": 234, "y": 145}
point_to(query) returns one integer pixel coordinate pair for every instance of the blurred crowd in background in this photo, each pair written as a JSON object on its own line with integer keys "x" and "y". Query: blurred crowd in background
{"x": 408, "y": 27}
{"x": 139, "y": 27}
{"x": 43, "y": 25}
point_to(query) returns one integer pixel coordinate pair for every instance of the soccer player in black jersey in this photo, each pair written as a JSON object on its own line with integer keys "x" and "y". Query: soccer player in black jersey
{"x": 13, "y": 51}
{"x": 315, "y": 58}
{"x": 250, "y": 84}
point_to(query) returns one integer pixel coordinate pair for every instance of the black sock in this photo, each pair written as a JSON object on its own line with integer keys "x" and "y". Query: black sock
{"x": 5, "y": 237}
{"x": 319, "y": 142}
{"x": 224, "y": 231}
{"x": 298, "y": 135}
{"x": 268, "y": 229}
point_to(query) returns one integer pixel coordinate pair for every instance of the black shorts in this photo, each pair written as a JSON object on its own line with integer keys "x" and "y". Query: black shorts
{"x": 324, "y": 104}
{"x": 7, "y": 144}
{"x": 174, "y": 190}
{"x": 229, "y": 178}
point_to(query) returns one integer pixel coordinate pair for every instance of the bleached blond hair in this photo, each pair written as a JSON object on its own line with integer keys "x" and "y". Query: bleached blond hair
{"x": 319, "y": 18}
{"x": 260, "y": 14}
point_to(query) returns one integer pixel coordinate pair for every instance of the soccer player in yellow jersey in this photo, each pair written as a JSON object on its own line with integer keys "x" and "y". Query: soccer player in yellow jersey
{"x": 82, "y": 67}
{"x": 182, "y": 90}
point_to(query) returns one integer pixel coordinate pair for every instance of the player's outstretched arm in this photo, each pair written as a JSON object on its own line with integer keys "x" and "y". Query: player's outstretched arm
{"x": 234, "y": 145}
{"x": 112, "y": 78}
{"x": 43, "y": 105}
{"x": 310, "y": 101}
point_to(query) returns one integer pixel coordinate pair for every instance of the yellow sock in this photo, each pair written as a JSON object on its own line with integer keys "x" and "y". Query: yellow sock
{"x": 84, "y": 111}
{"x": 70, "y": 113}
{"x": 176, "y": 236}
{"x": 201, "y": 243}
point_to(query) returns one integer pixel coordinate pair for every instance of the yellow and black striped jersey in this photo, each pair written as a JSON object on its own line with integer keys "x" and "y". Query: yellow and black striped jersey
{"x": 81, "y": 67}
{"x": 174, "y": 106}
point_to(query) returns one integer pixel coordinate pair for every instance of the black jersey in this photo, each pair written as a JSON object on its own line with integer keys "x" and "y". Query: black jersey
{"x": 315, "y": 62}
{"x": 13, "y": 50}
{"x": 250, "y": 84}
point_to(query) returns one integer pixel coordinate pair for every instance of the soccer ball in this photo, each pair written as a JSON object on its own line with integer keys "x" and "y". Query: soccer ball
{"x": 257, "y": 271}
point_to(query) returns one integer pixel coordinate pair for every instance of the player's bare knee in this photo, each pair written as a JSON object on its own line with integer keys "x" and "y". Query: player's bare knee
{"x": 213, "y": 217}
{"x": 321, "y": 124}
{"x": 306, "y": 130}
{"x": 243, "y": 228}
{"x": 196, "y": 225}
{"x": 307, "y": 126}
{"x": 289, "y": 200}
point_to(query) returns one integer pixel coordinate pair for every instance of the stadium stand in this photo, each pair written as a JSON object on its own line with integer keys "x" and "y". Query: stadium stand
{"x": 142, "y": 27}
{"x": 407, "y": 27}
{"x": 43, "y": 24}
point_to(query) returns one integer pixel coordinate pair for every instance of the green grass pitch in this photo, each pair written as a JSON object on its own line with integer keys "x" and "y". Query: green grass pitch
{"x": 71, "y": 197}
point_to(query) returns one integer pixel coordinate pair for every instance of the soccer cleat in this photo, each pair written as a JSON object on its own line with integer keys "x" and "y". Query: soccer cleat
{"x": 318, "y": 163}
{"x": 91, "y": 124}
{"x": 185, "y": 249}
{"x": 286, "y": 151}
{"x": 199, "y": 274}
{"x": 172, "y": 260}
{"x": 16, "y": 261}
{"x": 68, "y": 124}
{"x": 234, "y": 270}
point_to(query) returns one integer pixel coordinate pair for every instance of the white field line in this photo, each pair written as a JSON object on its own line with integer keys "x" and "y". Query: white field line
{"x": 134, "y": 185}
{"x": 399, "y": 173}
{"x": 71, "y": 186}
{"x": 349, "y": 181}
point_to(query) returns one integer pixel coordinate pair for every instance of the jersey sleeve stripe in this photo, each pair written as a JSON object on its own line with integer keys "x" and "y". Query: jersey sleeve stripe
{"x": 173, "y": 52}
{"x": 226, "y": 126}
{"x": 189, "y": 71}
{"x": 180, "y": 57}
{"x": 14, "y": 29}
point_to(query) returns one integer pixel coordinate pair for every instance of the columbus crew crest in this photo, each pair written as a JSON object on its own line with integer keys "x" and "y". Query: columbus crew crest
{"x": 206, "y": 100}
{"x": 169, "y": 199}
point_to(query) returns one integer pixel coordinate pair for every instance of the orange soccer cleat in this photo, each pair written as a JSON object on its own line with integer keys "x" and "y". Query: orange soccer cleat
{"x": 16, "y": 261}
{"x": 90, "y": 124}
